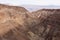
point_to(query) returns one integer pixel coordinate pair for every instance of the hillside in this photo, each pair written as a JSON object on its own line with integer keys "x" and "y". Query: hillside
{"x": 12, "y": 23}
{"x": 18, "y": 8}
{"x": 17, "y": 23}
{"x": 48, "y": 24}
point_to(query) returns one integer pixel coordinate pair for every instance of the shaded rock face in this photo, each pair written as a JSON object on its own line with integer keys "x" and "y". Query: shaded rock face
{"x": 16, "y": 23}
{"x": 48, "y": 25}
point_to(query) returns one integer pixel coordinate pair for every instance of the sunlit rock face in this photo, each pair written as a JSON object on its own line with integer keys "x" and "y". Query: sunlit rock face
{"x": 17, "y": 8}
{"x": 12, "y": 23}
{"x": 47, "y": 27}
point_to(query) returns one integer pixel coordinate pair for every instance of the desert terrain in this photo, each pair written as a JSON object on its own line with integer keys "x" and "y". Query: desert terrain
{"x": 17, "y": 23}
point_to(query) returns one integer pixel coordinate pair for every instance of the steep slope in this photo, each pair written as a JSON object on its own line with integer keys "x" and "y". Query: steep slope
{"x": 12, "y": 23}
{"x": 48, "y": 25}
{"x": 16, "y": 23}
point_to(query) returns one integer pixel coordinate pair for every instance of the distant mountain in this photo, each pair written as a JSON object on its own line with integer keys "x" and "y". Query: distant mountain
{"x": 37, "y": 7}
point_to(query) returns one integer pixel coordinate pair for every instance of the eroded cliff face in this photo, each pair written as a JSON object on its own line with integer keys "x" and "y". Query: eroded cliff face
{"x": 16, "y": 23}
{"x": 12, "y": 23}
{"x": 48, "y": 25}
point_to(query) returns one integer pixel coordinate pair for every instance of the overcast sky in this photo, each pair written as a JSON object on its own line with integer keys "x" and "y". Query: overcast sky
{"x": 31, "y": 2}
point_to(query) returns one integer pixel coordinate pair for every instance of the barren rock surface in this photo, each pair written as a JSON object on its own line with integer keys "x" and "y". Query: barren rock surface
{"x": 48, "y": 27}
{"x": 16, "y": 23}
{"x": 12, "y": 23}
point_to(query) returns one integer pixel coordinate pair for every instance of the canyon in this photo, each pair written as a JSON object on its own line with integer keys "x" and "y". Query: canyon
{"x": 17, "y": 23}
